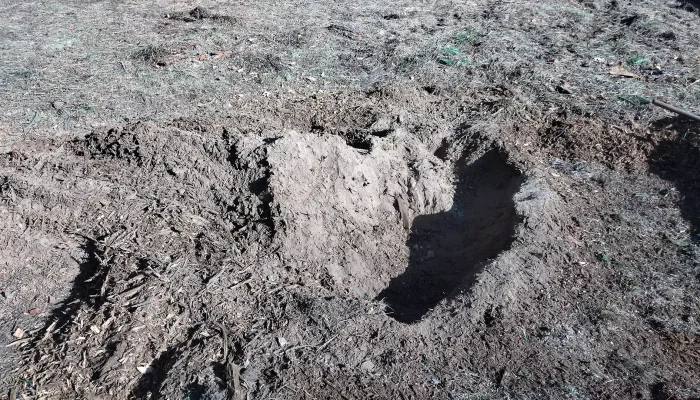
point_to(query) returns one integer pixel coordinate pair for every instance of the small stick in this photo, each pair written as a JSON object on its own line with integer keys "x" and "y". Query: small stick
{"x": 675, "y": 110}
{"x": 225, "y": 340}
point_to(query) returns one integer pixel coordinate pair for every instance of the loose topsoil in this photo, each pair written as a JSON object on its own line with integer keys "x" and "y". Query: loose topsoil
{"x": 238, "y": 217}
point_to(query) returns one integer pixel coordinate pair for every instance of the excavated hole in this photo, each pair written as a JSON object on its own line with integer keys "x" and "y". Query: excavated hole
{"x": 448, "y": 249}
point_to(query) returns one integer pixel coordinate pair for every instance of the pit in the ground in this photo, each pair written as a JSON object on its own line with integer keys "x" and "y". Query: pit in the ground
{"x": 448, "y": 249}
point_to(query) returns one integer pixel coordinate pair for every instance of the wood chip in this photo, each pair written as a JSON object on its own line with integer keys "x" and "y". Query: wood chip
{"x": 144, "y": 369}
{"x": 222, "y": 54}
{"x": 619, "y": 70}
{"x": 49, "y": 330}
{"x": 131, "y": 292}
{"x": 18, "y": 342}
{"x": 19, "y": 333}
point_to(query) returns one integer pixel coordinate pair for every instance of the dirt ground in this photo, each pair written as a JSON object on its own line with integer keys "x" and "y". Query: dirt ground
{"x": 366, "y": 200}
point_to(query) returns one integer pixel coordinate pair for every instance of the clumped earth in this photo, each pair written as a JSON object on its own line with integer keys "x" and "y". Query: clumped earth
{"x": 379, "y": 200}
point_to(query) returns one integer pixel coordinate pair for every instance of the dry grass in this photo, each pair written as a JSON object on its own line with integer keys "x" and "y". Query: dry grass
{"x": 106, "y": 63}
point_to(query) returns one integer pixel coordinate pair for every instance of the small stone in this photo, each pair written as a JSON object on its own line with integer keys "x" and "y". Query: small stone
{"x": 430, "y": 255}
{"x": 282, "y": 341}
{"x": 19, "y": 333}
{"x": 563, "y": 89}
{"x": 178, "y": 172}
{"x": 367, "y": 366}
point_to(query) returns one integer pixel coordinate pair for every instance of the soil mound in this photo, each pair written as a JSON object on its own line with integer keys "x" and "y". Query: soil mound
{"x": 345, "y": 213}
{"x": 257, "y": 259}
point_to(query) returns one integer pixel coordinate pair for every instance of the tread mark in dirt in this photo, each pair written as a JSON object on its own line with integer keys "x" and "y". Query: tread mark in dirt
{"x": 261, "y": 188}
{"x": 260, "y": 185}
{"x": 449, "y": 248}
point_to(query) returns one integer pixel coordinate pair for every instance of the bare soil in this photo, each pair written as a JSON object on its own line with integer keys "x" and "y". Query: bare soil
{"x": 348, "y": 201}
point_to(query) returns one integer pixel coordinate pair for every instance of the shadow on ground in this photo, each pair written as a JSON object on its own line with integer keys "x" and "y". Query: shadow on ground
{"x": 150, "y": 384}
{"x": 692, "y": 3}
{"x": 448, "y": 249}
{"x": 86, "y": 289}
{"x": 210, "y": 383}
{"x": 678, "y": 160}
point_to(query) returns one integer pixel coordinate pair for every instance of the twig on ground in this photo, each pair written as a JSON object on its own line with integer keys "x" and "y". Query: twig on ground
{"x": 676, "y": 110}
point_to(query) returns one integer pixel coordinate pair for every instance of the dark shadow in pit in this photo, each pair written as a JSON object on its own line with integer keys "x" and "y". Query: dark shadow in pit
{"x": 691, "y": 5}
{"x": 677, "y": 159}
{"x": 448, "y": 249}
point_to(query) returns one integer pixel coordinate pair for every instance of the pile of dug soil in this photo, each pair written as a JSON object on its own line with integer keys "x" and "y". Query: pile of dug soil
{"x": 385, "y": 254}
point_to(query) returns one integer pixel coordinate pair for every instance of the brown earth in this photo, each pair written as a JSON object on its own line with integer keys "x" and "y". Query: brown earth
{"x": 450, "y": 201}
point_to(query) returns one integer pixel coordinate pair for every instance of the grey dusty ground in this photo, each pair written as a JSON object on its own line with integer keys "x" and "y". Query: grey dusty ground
{"x": 385, "y": 200}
